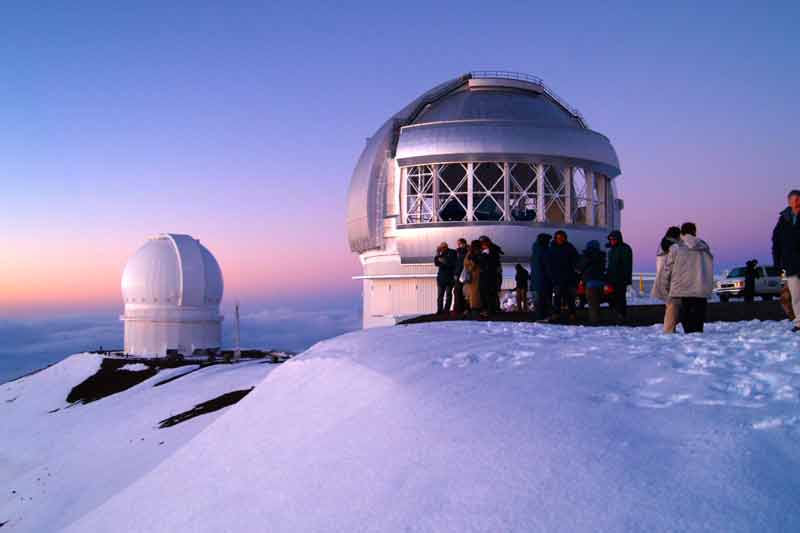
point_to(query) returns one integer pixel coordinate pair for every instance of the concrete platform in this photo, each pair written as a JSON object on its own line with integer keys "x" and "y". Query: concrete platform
{"x": 643, "y": 315}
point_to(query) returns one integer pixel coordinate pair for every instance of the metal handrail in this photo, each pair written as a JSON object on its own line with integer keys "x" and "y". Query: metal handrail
{"x": 521, "y": 76}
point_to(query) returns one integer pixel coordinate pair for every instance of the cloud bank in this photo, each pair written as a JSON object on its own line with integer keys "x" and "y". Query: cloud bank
{"x": 27, "y": 345}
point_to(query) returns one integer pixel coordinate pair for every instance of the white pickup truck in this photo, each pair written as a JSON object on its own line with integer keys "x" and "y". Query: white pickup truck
{"x": 769, "y": 282}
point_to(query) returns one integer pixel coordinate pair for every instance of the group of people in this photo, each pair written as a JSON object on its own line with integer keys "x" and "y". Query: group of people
{"x": 469, "y": 277}
{"x": 557, "y": 269}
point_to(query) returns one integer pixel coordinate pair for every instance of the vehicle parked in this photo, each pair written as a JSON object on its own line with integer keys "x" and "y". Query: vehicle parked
{"x": 769, "y": 281}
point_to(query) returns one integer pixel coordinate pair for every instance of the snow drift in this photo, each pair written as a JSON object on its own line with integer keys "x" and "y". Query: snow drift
{"x": 496, "y": 427}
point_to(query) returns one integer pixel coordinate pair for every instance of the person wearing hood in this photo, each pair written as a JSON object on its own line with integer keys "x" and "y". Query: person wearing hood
{"x": 541, "y": 284}
{"x": 561, "y": 264}
{"x": 671, "y": 305}
{"x": 620, "y": 272}
{"x": 592, "y": 268}
{"x": 689, "y": 276}
{"x": 786, "y": 250}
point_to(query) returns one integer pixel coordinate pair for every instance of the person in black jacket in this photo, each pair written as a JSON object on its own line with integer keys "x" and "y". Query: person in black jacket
{"x": 786, "y": 250}
{"x": 620, "y": 272}
{"x": 459, "y": 302}
{"x": 593, "y": 271}
{"x": 542, "y": 285}
{"x": 750, "y": 274}
{"x": 445, "y": 277}
{"x": 490, "y": 285}
{"x": 561, "y": 265}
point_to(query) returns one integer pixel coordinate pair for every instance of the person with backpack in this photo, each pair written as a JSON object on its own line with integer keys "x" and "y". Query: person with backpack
{"x": 592, "y": 267}
{"x": 542, "y": 286}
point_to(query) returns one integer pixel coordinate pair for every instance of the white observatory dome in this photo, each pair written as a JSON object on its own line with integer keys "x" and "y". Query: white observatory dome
{"x": 172, "y": 287}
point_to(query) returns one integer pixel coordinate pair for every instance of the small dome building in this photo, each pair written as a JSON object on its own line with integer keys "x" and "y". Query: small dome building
{"x": 172, "y": 289}
{"x": 487, "y": 153}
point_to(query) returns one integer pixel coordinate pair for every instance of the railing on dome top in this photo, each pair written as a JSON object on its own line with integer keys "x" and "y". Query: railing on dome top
{"x": 521, "y": 76}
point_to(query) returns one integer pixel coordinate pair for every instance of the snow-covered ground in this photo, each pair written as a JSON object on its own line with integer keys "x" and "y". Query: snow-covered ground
{"x": 466, "y": 426}
{"x": 59, "y": 461}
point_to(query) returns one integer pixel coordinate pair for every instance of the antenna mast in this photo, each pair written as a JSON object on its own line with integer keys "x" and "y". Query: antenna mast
{"x": 237, "y": 351}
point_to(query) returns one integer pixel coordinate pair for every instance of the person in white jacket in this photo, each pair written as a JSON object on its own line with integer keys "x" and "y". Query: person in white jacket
{"x": 671, "y": 305}
{"x": 689, "y": 276}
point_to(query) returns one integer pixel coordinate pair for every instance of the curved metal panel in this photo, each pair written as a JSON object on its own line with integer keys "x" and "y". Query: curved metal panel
{"x": 498, "y": 104}
{"x": 366, "y": 203}
{"x": 418, "y": 245}
{"x": 474, "y": 140}
{"x": 365, "y": 199}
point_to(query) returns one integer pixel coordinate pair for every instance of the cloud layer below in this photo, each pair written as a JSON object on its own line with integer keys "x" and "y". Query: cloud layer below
{"x": 28, "y": 345}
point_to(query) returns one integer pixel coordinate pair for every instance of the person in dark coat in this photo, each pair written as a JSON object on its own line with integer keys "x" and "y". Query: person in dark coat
{"x": 521, "y": 289}
{"x": 561, "y": 265}
{"x": 542, "y": 286}
{"x": 445, "y": 260}
{"x": 459, "y": 302}
{"x": 592, "y": 267}
{"x": 620, "y": 272}
{"x": 750, "y": 273}
{"x": 786, "y": 250}
{"x": 490, "y": 288}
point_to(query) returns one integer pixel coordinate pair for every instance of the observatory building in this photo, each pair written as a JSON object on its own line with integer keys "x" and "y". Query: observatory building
{"x": 487, "y": 153}
{"x": 172, "y": 289}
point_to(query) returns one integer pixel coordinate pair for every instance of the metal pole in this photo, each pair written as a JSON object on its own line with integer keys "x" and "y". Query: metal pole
{"x": 237, "y": 351}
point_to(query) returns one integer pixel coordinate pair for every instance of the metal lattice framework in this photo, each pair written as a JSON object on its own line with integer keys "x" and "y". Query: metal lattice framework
{"x": 419, "y": 183}
{"x": 502, "y": 191}
{"x": 523, "y": 191}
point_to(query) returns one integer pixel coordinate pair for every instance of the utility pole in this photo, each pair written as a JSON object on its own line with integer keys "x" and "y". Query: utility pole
{"x": 237, "y": 351}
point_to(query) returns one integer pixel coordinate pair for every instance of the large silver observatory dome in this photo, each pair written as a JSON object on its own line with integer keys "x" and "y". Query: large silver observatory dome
{"x": 487, "y": 153}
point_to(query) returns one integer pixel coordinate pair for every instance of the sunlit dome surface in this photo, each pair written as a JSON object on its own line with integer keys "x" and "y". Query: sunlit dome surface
{"x": 172, "y": 289}
{"x": 172, "y": 269}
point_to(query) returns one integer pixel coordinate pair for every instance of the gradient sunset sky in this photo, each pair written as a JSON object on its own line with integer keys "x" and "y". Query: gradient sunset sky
{"x": 240, "y": 122}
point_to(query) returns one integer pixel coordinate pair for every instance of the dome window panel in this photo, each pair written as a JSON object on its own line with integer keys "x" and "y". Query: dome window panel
{"x": 488, "y": 191}
{"x": 581, "y": 197}
{"x": 555, "y": 195}
{"x": 419, "y": 194}
{"x": 522, "y": 196}
{"x": 452, "y": 192}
